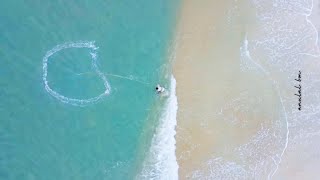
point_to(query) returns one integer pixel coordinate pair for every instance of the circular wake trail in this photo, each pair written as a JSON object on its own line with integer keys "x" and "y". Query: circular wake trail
{"x": 73, "y": 101}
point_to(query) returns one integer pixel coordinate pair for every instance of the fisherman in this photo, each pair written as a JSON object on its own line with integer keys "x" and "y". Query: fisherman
{"x": 160, "y": 89}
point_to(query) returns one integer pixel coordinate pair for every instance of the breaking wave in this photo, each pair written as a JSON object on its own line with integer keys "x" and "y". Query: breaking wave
{"x": 161, "y": 161}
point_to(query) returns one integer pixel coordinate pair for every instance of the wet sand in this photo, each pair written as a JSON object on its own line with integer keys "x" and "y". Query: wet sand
{"x": 232, "y": 120}
{"x": 209, "y": 82}
{"x": 302, "y": 157}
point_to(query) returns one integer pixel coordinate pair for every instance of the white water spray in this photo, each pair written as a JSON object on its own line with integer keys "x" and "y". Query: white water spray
{"x": 161, "y": 162}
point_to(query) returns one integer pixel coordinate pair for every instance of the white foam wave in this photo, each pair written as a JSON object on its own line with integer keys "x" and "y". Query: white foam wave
{"x": 219, "y": 168}
{"x": 161, "y": 162}
{"x": 73, "y": 101}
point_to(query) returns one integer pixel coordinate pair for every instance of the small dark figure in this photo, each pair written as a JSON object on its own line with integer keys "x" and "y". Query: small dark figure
{"x": 160, "y": 89}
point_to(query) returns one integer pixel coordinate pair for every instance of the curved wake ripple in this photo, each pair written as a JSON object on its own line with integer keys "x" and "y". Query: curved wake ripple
{"x": 73, "y": 101}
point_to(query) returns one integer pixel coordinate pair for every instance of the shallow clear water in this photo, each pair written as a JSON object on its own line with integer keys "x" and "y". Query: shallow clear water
{"x": 42, "y": 137}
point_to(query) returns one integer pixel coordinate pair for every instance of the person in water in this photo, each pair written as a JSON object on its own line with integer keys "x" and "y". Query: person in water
{"x": 159, "y": 89}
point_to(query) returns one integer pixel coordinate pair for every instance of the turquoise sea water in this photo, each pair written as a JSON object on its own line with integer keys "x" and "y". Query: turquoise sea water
{"x": 42, "y": 137}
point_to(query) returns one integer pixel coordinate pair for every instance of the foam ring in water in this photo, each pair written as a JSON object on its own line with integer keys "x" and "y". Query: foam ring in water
{"x": 73, "y": 101}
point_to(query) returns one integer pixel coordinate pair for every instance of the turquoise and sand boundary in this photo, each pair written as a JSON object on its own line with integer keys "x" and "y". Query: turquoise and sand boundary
{"x": 237, "y": 118}
{"x": 229, "y": 69}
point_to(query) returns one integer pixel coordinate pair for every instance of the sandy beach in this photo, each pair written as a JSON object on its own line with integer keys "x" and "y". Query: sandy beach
{"x": 232, "y": 121}
{"x": 207, "y": 64}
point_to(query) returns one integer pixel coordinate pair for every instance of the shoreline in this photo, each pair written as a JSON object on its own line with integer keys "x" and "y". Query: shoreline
{"x": 235, "y": 90}
{"x": 160, "y": 162}
{"x": 220, "y": 111}
{"x": 204, "y": 38}
{"x": 154, "y": 162}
